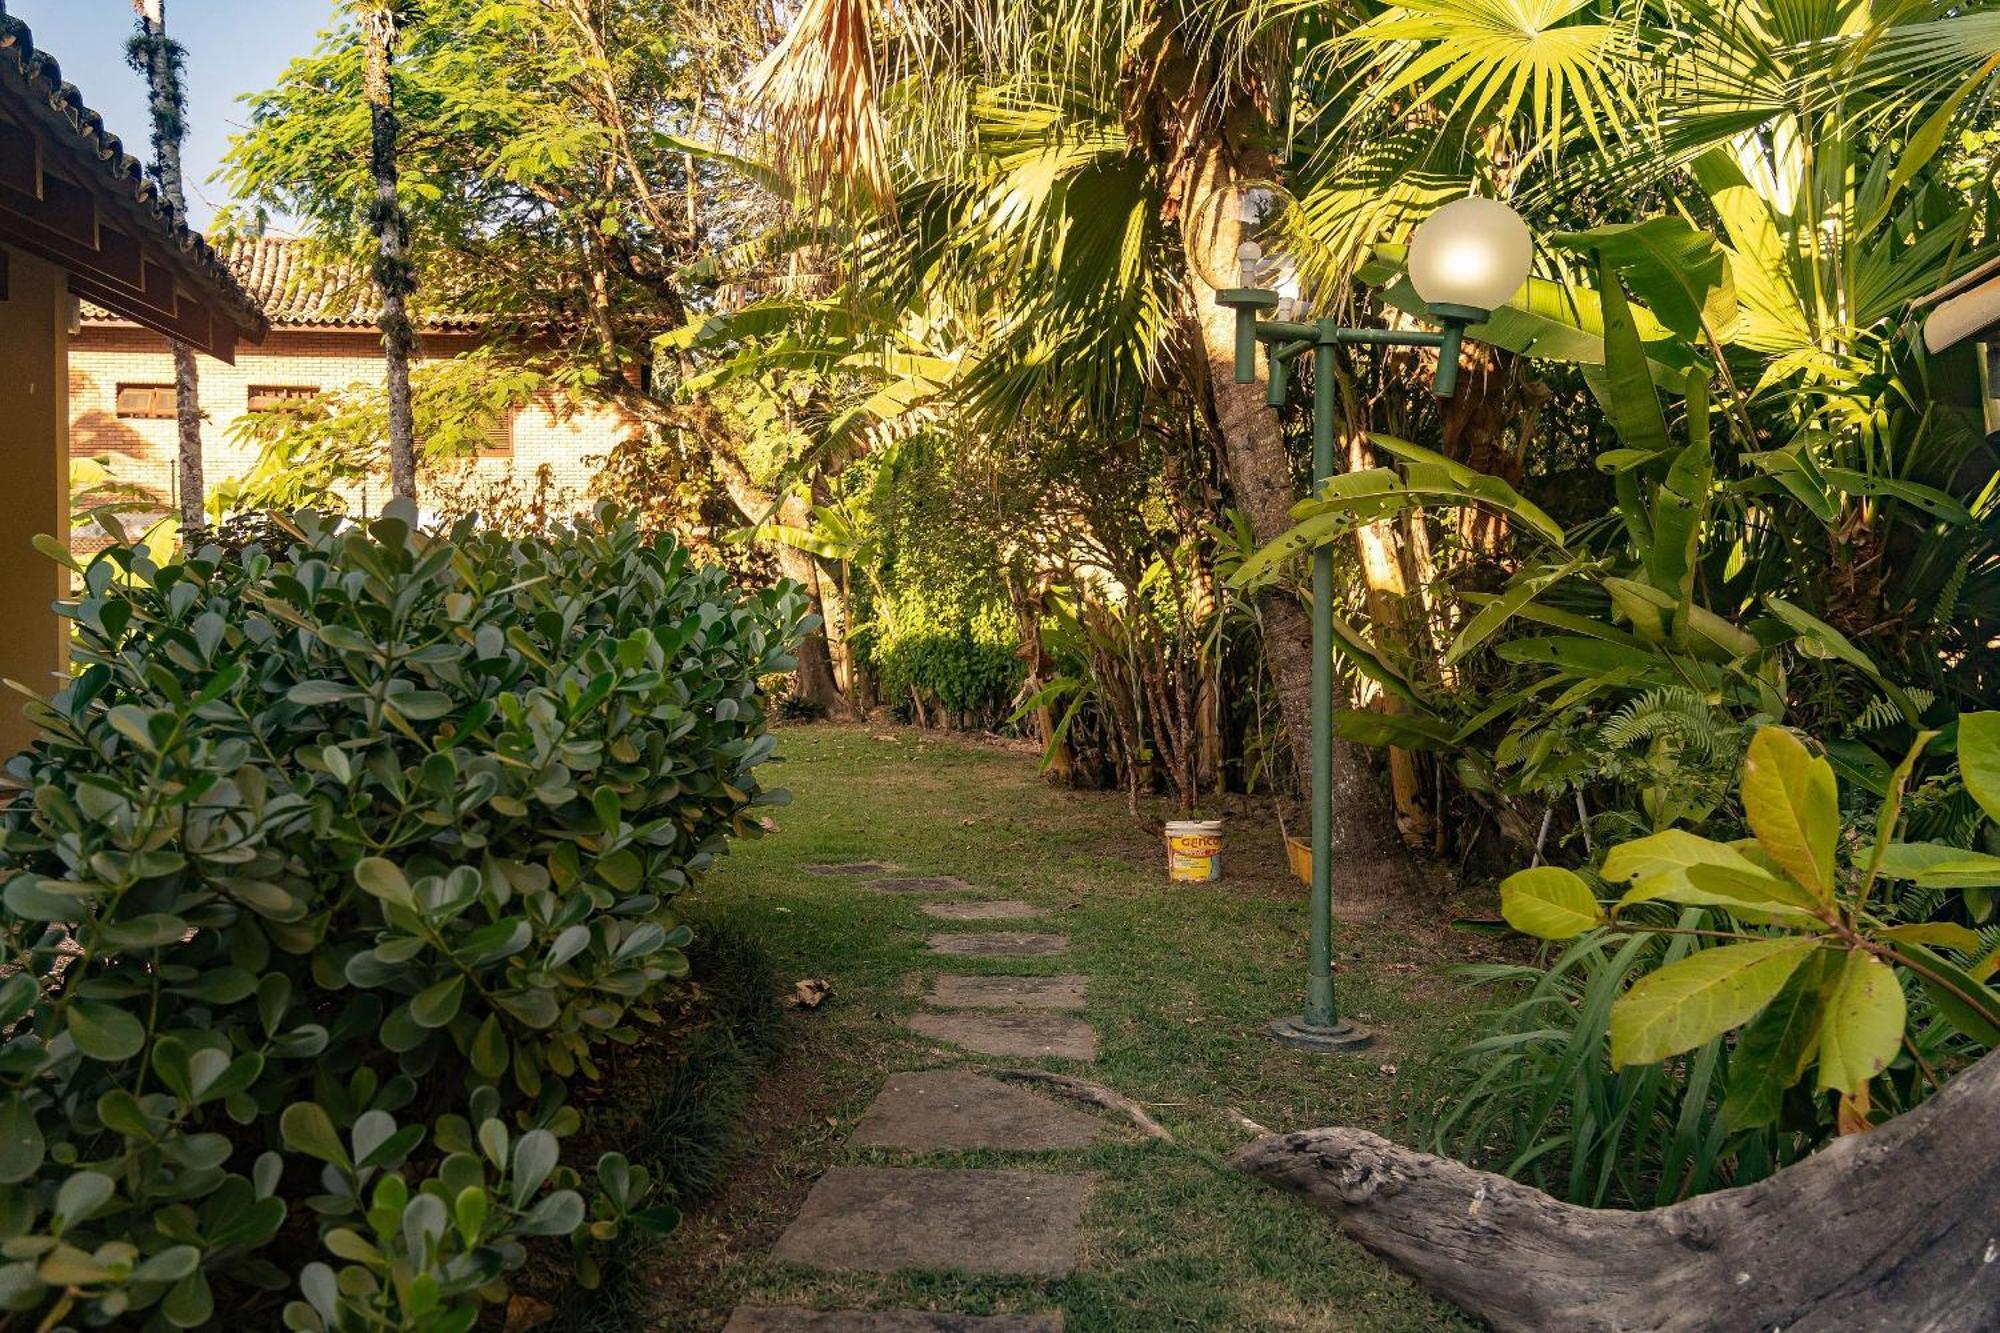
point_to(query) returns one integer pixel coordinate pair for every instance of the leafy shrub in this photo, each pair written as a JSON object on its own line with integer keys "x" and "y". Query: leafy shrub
{"x": 1790, "y": 939}
{"x": 957, "y": 672}
{"x": 333, "y": 865}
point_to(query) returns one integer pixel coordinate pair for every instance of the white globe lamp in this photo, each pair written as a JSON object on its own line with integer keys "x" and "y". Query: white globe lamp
{"x": 1470, "y": 257}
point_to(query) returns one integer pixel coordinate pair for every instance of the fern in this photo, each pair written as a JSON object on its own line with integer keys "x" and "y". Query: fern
{"x": 1947, "y": 599}
{"x": 1700, "y": 731}
{"x": 1881, "y": 714}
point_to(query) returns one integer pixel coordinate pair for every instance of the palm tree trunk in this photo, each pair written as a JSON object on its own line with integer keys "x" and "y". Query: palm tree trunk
{"x": 153, "y": 54}
{"x": 1373, "y": 865}
{"x": 394, "y": 278}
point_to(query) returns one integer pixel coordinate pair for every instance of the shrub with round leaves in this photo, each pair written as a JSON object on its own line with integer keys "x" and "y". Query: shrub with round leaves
{"x": 323, "y": 845}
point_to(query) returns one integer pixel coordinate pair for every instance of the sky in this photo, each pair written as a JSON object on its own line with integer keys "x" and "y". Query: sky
{"x": 233, "y": 47}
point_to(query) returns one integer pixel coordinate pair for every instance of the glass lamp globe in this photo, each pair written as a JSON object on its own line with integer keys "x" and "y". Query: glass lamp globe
{"x": 1473, "y": 254}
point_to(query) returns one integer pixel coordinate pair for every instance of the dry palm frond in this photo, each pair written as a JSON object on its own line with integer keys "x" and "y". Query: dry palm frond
{"x": 814, "y": 97}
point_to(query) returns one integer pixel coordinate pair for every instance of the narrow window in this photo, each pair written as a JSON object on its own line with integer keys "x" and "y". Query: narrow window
{"x": 499, "y": 437}
{"x": 281, "y": 397}
{"x": 146, "y": 402}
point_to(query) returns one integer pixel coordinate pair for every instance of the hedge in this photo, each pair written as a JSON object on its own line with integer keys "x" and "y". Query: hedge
{"x": 338, "y": 860}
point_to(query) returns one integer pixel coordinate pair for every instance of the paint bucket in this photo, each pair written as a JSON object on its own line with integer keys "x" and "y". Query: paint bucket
{"x": 1194, "y": 851}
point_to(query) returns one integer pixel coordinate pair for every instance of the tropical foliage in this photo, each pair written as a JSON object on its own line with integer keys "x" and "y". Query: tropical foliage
{"x": 916, "y": 303}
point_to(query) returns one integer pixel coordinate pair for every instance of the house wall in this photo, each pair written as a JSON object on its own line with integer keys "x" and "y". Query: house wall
{"x": 34, "y": 450}
{"x": 106, "y": 355}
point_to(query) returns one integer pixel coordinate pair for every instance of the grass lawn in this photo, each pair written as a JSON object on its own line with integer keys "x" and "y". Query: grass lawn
{"x": 1182, "y": 981}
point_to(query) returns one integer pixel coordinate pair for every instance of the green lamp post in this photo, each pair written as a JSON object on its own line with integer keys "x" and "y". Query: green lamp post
{"x": 1465, "y": 261}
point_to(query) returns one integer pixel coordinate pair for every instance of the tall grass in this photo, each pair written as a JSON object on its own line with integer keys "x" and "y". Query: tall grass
{"x": 1538, "y": 1100}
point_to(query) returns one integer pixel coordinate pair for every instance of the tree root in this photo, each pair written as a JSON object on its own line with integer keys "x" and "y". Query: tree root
{"x": 1894, "y": 1229}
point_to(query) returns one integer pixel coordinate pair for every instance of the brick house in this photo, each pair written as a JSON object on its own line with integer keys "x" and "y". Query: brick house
{"x": 322, "y": 337}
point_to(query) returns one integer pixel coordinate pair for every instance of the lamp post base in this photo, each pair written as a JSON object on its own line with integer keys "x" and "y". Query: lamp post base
{"x": 1304, "y": 1036}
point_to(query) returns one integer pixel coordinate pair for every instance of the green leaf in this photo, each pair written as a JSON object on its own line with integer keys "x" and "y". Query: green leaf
{"x": 437, "y": 1005}
{"x": 1629, "y": 397}
{"x": 384, "y": 878}
{"x": 1703, "y": 995}
{"x": 307, "y": 1128}
{"x": 105, "y": 1032}
{"x": 489, "y": 1048}
{"x": 18, "y": 994}
{"x": 1965, "y": 1001}
{"x": 1549, "y": 903}
{"x": 1863, "y": 1025}
{"x": 1935, "y": 865}
{"x": 82, "y": 1194}
{"x": 1778, "y": 1044}
{"x": 1679, "y": 271}
{"x": 1793, "y": 805}
{"x": 1979, "y": 759}
{"x": 313, "y": 693}
{"x": 1674, "y": 865}
{"x": 21, "y": 1144}
{"x": 1945, "y": 934}
{"x": 189, "y": 1304}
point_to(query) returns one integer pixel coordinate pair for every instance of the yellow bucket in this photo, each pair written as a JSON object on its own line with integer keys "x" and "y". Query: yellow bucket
{"x": 1194, "y": 851}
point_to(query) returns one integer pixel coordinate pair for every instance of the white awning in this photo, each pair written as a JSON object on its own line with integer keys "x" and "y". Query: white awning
{"x": 1963, "y": 309}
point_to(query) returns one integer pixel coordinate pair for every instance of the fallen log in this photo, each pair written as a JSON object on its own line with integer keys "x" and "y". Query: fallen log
{"x": 1894, "y": 1229}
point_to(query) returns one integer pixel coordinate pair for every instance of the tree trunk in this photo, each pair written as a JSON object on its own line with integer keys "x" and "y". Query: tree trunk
{"x": 1894, "y": 1229}
{"x": 1373, "y": 866}
{"x": 394, "y": 277}
{"x": 814, "y": 684}
{"x": 155, "y": 55}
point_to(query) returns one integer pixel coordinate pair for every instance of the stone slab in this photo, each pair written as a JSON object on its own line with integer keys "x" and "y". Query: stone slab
{"x": 786, "y": 1319}
{"x": 853, "y": 868}
{"x": 1013, "y": 1036}
{"x": 887, "y": 1219}
{"x": 921, "y": 884}
{"x": 998, "y": 944}
{"x": 945, "y": 1110}
{"x": 1008, "y": 992}
{"x": 997, "y": 909}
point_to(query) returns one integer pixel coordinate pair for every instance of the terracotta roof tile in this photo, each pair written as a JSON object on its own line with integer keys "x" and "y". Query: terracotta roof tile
{"x": 298, "y": 290}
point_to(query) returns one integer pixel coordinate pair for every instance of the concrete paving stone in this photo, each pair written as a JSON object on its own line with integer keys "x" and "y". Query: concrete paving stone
{"x": 999, "y": 909}
{"x": 785, "y": 1319}
{"x": 1008, "y": 992}
{"x": 886, "y": 1219}
{"x": 921, "y": 884}
{"x": 1012, "y": 1036}
{"x": 943, "y": 1110}
{"x": 853, "y": 868}
{"x": 998, "y": 944}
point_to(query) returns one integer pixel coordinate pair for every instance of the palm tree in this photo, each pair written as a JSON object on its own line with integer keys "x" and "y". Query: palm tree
{"x": 152, "y": 53}
{"x": 1157, "y": 109}
{"x": 395, "y": 279}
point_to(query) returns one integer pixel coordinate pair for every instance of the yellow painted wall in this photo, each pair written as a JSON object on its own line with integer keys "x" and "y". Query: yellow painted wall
{"x": 34, "y": 455}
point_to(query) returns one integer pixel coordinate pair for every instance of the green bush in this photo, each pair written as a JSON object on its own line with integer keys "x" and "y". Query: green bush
{"x": 333, "y": 866}
{"x": 956, "y": 672}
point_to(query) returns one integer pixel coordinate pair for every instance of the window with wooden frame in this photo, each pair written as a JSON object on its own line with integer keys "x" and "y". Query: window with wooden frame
{"x": 146, "y": 402}
{"x": 498, "y": 438}
{"x": 281, "y": 397}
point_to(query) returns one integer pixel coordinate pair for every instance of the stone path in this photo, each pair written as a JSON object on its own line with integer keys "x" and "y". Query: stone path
{"x": 998, "y": 943}
{"x": 782, "y": 1319}
{"x": 992, "y": 909}
{"x": 921, "y": 884}
{"x": 1007, "y": 992}
{"x": 883, "y": 1219}
{"x": 955, "y": 1109}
